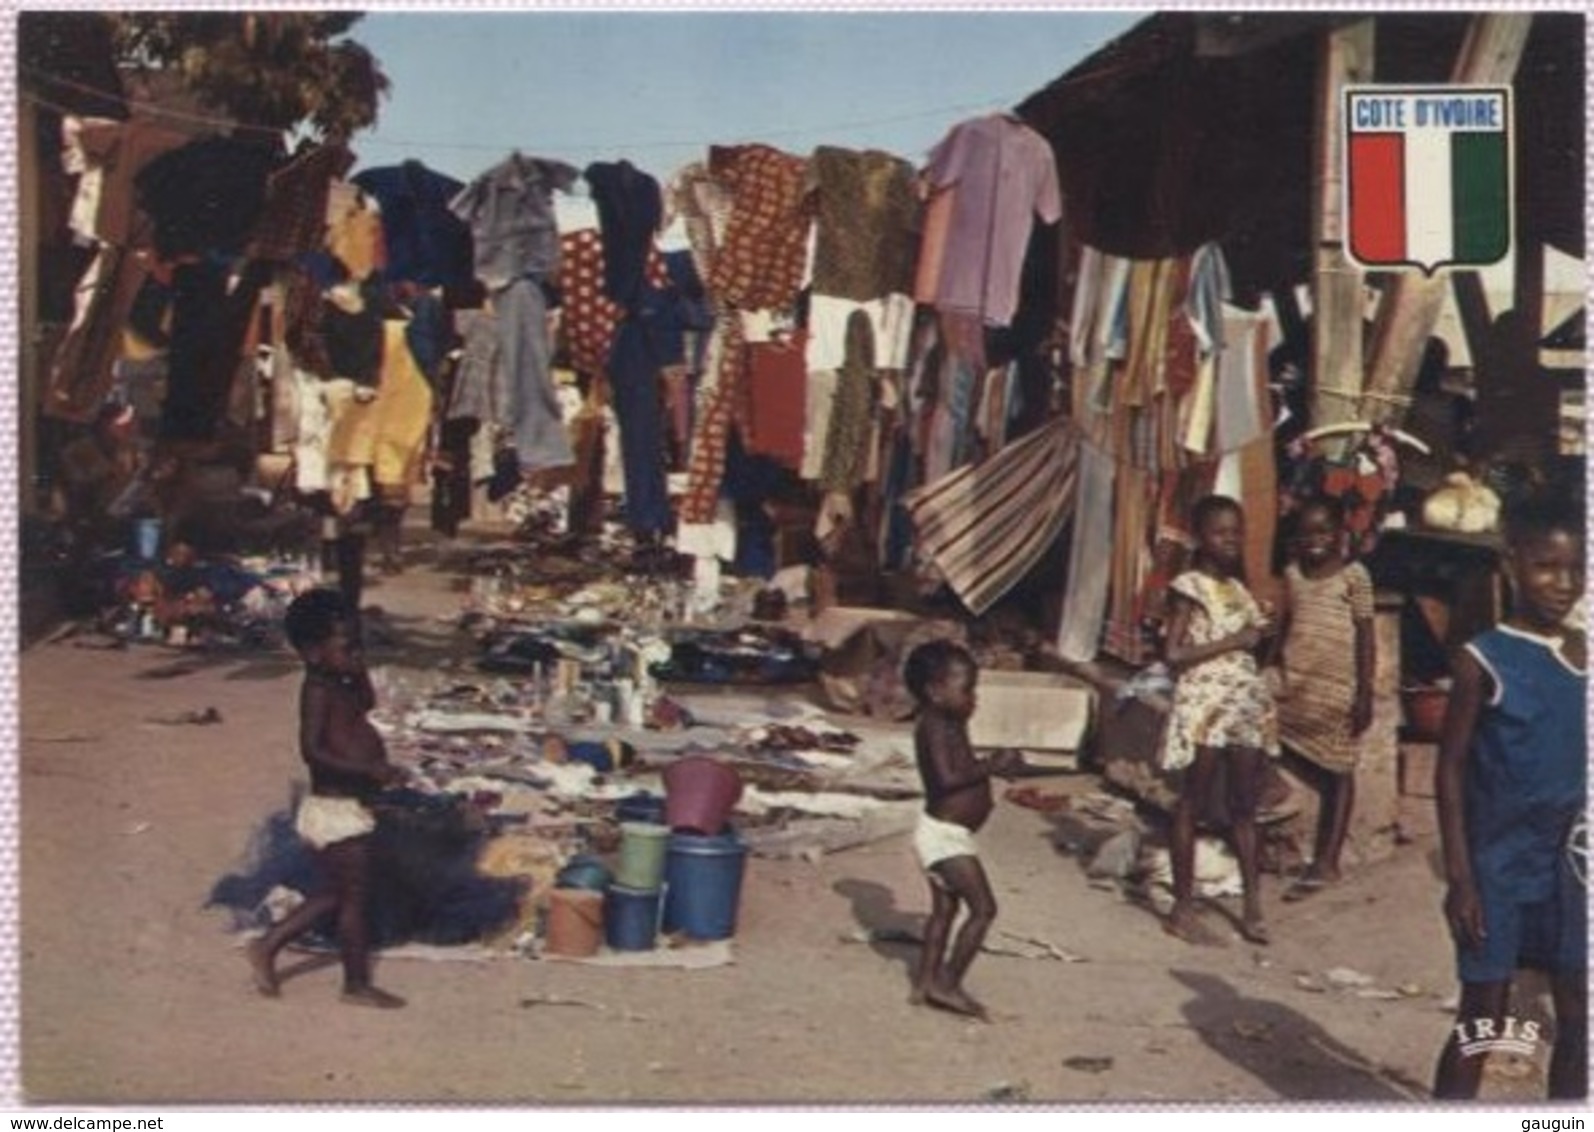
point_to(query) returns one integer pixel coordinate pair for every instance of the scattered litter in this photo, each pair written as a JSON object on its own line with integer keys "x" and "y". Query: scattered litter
{"x": 557, "y": 1000}
{"x": 1116, "y": 857}
{"x": 1030, "y": 947}
{"x": 1310, "y": 984}
{"x": 1042, "y": 801}
{"x": 1380, "y": 993}
{"x": 1217, "y": 871}
{"x": 1009, "y": 944}
{"x": 1008, "y": 1091}
{"x": 141, "y": 827}
{"x": 1088, "y": 1064}
{"x": 1409, "y": 990}
{"x": 1346, "y": 977}
{"x": 169, "y": 671}
{"x": 812, "y": 839}
{"x": 1450, "y": 1004}
{"x": 197, "y": 718}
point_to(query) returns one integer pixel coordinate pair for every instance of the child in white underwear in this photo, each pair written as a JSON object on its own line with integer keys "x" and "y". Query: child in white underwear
{"x": 957, "y": 800}
{"x": 348, "y": 764}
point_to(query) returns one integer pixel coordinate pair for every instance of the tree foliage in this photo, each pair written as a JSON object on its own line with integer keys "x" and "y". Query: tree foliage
{"x": 274, "y": 69}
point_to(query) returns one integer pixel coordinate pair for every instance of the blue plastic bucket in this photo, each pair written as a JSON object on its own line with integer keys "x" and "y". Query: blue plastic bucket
{"x": 703, "y": 876}
{"x": 631, "y": 917}
{"x": 641, "y": 806}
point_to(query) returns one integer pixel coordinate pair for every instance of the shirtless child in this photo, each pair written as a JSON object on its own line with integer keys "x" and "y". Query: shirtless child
{"x": 348, "y": 764}
{"x": 941, "y": 675}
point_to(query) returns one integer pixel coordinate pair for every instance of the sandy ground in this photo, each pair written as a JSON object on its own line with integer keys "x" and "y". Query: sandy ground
{"x": 133, "y": 993}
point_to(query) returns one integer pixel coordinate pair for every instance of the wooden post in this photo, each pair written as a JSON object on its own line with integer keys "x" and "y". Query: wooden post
{"x": 1472, "y": 303}
{"x": 1410, "y": 306}
{"x": 27, "y": 404}
{"x": 1347, "y": 57}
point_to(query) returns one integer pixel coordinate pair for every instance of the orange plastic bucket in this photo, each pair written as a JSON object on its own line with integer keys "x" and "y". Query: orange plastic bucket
{"x": 575, "y": 922}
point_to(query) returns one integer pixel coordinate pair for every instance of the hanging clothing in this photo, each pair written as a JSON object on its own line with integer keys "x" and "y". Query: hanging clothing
{"x": 1005, "y": 175}
{"x": 1130, "y": 556}
{"x": 509, "y": 210}
{"x": 83, "y": 368}
{"x": 206, "y": 196}
{"x": 986, "y": 526}
{"x": 478, "y": 391}
{"x": 865, "y": 215}
{"x": 848, "y": 444}
{"x": 293, "y": 219}
{"x": 354, "y": 233}
{"x": 630, "y": 210}
{"x": 704, "y": 209}
{"x": 777, "y": 380}
{"x": 209, "y": 323}
{"x": 1242, "y": 405}
{"x": 402, "y": 413}
{"x": 587, "y": 316}
{"x": 935, "y": 224}
{"x": 351, "y": 329}
{"x": 1089, "y": 569}
{"x": 706, "y": 469}
{"x": 525, "y": 355}
{"x": 116, "y": 153}
{"x": 426, "y": 242}
{"x": 890, "y": 319}
{"x": 759, "y": 265}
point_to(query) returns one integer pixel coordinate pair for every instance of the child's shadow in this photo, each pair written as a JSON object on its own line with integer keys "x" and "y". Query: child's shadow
{"x": 1289, "y": 1053}
{"x": 892, "y": 933}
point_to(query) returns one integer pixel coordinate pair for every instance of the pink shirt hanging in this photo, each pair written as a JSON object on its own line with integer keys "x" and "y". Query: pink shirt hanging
{"x": 1005, "y": 174}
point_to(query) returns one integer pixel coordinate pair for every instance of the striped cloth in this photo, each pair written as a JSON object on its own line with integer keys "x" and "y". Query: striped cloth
{"x": 986, "y": 525}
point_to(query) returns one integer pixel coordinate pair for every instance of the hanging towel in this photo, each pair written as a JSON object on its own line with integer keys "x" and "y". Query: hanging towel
{"x": 985, "y": 526}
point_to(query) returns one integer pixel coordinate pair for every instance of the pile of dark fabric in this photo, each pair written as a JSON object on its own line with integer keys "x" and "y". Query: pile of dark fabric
{"x": 749, "y": 656}
{"x": 424, "y": 883}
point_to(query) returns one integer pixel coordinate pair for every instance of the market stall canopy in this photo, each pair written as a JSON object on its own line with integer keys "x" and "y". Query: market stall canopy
{"x": 1198, "y": 126}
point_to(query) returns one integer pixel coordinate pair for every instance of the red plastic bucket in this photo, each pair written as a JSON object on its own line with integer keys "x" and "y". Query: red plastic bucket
{"x": 699, "y": 794}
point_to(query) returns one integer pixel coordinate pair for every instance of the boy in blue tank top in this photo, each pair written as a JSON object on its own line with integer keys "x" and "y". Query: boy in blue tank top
{"x": 1511, "y": 785}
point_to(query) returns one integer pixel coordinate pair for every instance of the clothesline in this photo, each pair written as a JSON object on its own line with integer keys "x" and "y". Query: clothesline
{"x": 401, "y": 143}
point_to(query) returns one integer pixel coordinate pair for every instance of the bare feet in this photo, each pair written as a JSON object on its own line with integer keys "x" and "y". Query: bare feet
{"x": 260, "y": 966}
{"x": 1254, "y": 930}
{"x": 371, "y": 996}
{"x": 957, "y": 1000}
{"x": 1183, "y": 923}
{"x": 1305, "y": 886}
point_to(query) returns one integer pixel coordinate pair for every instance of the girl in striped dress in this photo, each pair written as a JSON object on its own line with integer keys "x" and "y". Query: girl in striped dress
{"x": 1326, "y": 704}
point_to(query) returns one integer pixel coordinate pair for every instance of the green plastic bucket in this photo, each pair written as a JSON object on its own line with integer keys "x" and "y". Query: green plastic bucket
{"x": 643, "y": 850}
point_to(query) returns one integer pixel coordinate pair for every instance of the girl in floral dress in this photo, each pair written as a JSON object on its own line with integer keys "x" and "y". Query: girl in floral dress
{"x": 1222, "y": 710}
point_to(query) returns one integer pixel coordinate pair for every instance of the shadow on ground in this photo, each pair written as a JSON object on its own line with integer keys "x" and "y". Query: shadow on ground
{"x": 1293, "y": 1056}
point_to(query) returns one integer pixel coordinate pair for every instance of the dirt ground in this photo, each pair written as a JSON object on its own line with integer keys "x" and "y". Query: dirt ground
{"x": 134, "y": 994}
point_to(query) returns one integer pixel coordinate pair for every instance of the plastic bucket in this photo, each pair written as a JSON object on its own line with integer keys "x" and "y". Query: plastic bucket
{"x": 575, "y": 922}
{"x": 703, "y": 885}
{"x": 642, "y": 849}
{"x": 699, "y": 794}
{"x": 631, "y": 917}
{"x": 584, "y": 871}
{"x": 146, "y": 539}
{"x": 641, "y": 806}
